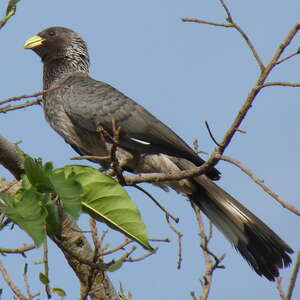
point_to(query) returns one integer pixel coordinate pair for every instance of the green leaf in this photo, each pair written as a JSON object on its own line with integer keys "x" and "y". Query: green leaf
{"x": 26, "y": 185}
{"x": 52, "y": 219}
{"x": 69, "y": 191}
{"x": 116, "y": 265}
{"x": 60, "y": 292}
{"x": 28, "y": 213}
{"x": 10, "y": 11}
{"x": 107, "y": 201}
{"x": 44, "y": 279}
{"x": 38, "y": 175}
{"x": 6, "y": 198}
{"x": 48, "y": 167}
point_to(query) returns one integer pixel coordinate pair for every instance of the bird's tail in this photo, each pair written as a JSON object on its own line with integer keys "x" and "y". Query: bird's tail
{"x": 263, "y": 249}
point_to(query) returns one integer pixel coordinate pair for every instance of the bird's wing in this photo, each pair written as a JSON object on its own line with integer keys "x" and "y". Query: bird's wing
{"x": 91, "y": 104}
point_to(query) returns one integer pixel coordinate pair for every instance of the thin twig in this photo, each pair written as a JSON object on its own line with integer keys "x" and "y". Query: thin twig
{"x": 40, "y": 93}
{"x": 113, "y": 152}
{"x": 10, "y": 283}
{"x": 140, "y": 258}
{"x": 118, "y": 248}
{"x": 241, "y": 130}
{"x": 7, "y": 108}
{"x": 26, "y": 281}
{"x": 210, "y": 134}
{"x": 261, "y": 183}
{"x": 210, "y": 266}
{"x": 20, "y": 250}
{"x": 192, "y": 293}
{"x": 92, "y": 272}
{"x": 25, "y": 96}
{"x": 281, "y": 83}
{"x": 197, "y": 147}
{"x": 127, "y": 242}
{"x": 279, "y": 287}
{"x": 46, "y": 267}
{"x": 91, "y": 157}
{"x": 179, "y": 239}
{"x": 101, "y": 239}
{"x": 95, "y": 237}
{"x": 166, "y": 240}
{"x": 113, "y": 140}
{"x": 231, "y": 24}
{"x": 287, "y": 57}
{"x": 244, "y": 35}
{"x": 293, "y": 278}
{"x": 175, "y": 219}
{"x": 206, "y": 22}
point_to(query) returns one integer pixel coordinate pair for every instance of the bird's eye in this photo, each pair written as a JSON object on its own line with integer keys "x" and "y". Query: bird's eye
{"x": 51, "y": 33}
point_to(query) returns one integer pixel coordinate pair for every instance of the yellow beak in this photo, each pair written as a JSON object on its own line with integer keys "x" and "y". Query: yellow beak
{"x": 33, "y": 42}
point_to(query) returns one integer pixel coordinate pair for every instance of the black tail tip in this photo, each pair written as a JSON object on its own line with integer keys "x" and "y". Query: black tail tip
{"x": 265, "y": 255}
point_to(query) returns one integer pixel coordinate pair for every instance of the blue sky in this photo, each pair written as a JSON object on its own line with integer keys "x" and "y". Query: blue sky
{"x": 184, "y": 74}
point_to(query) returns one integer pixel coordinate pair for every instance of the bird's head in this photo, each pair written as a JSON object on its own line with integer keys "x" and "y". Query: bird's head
{"x": 59, "y": 43}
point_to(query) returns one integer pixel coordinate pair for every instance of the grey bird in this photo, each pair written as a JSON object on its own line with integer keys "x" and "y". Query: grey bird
{"x": 81, "y": 104}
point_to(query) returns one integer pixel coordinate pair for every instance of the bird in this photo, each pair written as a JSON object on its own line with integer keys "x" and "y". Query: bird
{"x": 76, "y": 106}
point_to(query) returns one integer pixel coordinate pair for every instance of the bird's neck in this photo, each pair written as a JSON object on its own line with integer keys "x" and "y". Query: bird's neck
{"x": 58, "y": 70}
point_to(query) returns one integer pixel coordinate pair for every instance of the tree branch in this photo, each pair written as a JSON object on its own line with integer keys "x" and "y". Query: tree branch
{"x": 231, "y": 24}
{"x": 261, "y": 183}
{"x": 10, "y": 159}
{"x": 293, "y": 278}
{"x": 10, "y": 283}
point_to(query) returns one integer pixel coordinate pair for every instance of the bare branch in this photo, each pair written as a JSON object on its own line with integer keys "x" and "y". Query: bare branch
{"x": 40, "y": 93}
{"x": 231, "y": 24}
{"x": 17, "y": 98}
{"x": 206, "y": 22}
{"x": 91, "y": 157}
{"x": 20, "y": 250}
{"x": 288, "y": 57}
{"x": 10, "y": 283}
{"x": 192, "y": 293}
{"x": 197, "y": 147}
{"x": 210, "y": 266}
{"x": 128, "y": 258}
{"x": 279, "y": 287}
{"x": 293, "y": 278}
{"x": 179, "y": 238}
{"x": 7, "y": 108}
{"x": 46, "y": 267}
{"x": 175, "y": 219}
{"x": 92, "y": 272}
{"x": 26, "y": 281}
{"x": 210, "y": 134}
{"x": 166, "y": 240}
{"x": 292, "y": 282}
{"x": 114, "y": 141}
{"x": 10, "y": 158}
{"x": 117, "y": 248}
{"x": 159, "y": 177}
{"x": 261, "y": 183}
{"x": 281, "y": 83}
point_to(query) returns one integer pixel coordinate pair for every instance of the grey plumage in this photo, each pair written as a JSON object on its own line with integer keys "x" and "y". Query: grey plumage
{"x": 81, "y": 104}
